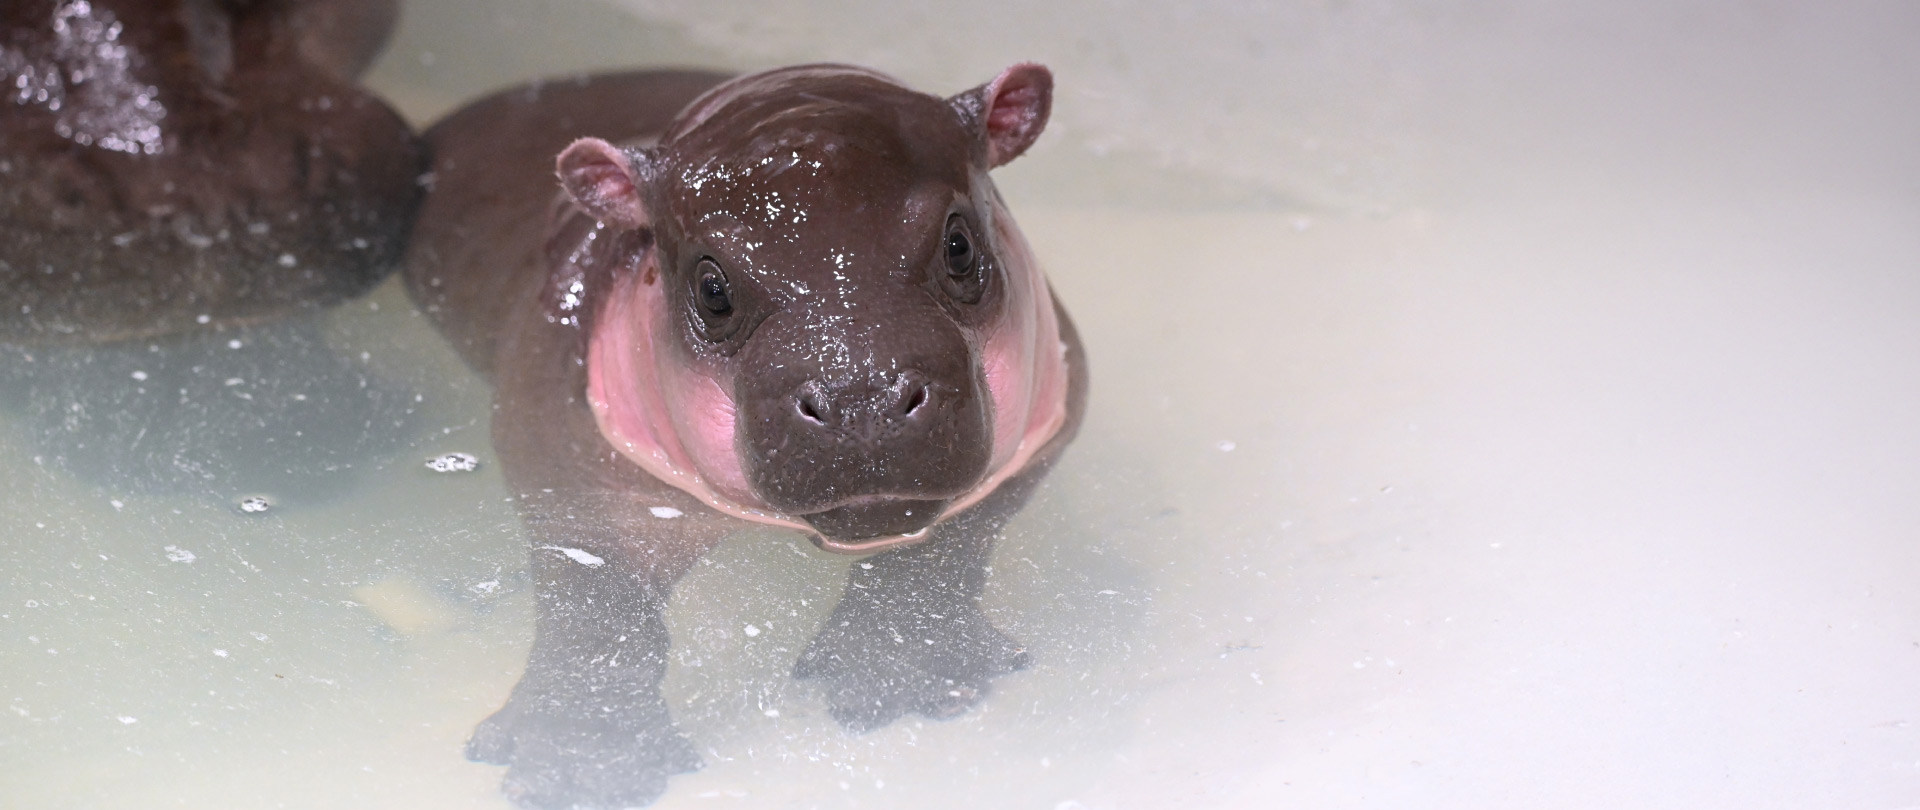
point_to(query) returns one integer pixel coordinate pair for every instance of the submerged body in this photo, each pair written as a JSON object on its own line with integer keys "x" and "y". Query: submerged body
{"x": 792, "y": 298}
{"x": 166, "y": 164}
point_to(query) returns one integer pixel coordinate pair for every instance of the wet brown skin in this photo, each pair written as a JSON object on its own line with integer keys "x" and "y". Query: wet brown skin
{"x": 576, "y": 731}
{"x": 267, "y": 182}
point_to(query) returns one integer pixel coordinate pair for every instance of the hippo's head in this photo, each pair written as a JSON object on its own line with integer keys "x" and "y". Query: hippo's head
{"x": 822, "y": 314}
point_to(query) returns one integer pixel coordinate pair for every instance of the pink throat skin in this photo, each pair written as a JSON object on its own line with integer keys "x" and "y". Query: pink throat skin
{"x": 677, "y": 422}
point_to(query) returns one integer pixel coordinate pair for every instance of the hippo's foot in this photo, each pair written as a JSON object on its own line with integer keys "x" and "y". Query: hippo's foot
{"x": 877, "y": 665}
{"x": 583, "y": 756}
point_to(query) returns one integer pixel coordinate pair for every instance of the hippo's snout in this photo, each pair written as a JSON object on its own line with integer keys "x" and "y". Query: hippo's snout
{"x": 867, "y": 455}
{"x": 877, "y": 421}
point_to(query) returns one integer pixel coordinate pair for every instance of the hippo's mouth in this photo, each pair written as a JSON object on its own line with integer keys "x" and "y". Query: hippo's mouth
{"x": 878, "y": 519}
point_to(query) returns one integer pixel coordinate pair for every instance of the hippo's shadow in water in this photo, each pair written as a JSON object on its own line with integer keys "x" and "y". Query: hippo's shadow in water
{"x": 268, "y": 409}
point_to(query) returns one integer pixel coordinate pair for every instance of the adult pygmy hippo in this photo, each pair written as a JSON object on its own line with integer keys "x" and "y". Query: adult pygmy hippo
{"x": 171, "y": 163}
{"x": 792, "y": 298}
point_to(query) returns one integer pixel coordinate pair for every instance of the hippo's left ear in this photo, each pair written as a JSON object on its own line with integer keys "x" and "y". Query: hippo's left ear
{"x": 1009, "y": 111}
{"x": 605, "y": 180}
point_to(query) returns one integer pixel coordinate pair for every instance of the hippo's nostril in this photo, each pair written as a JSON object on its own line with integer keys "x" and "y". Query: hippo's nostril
{"x": 810, "y": 408}
{"x": 915, "y": 400}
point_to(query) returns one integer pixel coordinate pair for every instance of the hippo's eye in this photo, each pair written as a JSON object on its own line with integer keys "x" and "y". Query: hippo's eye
{"x": 965, "y": 279}
{"x": 710, "y": 290}
{"x": 714, "y": 303}
{"x": 960, "y": 259}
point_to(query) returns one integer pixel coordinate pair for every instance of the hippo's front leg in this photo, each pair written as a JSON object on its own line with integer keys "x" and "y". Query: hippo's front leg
{"x": 909, "y": 634}
{"x": 586, "y": 726}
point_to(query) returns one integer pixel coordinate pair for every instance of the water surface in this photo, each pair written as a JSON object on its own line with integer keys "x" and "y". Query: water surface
{"x": 1495, "y": 406}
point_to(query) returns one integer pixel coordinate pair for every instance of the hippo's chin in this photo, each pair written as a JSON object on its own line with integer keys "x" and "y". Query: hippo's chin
{"x": 877, "y": 517}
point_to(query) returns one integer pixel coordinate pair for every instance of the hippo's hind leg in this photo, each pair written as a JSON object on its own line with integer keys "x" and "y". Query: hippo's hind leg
{"x": 909, "y": 634}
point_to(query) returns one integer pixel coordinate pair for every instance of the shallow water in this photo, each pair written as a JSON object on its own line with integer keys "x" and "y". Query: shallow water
{"x": 1494, "y": 407}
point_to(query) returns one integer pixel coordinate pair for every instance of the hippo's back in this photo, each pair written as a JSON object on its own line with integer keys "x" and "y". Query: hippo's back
{"x": 478, "y": 245}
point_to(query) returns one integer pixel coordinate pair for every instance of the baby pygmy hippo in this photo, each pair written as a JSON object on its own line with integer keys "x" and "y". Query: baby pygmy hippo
{"x": 166, "y": 164}
{"x": 792, "y": 298}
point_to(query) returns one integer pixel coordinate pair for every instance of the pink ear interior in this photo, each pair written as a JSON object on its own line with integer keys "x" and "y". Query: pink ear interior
{"x": 1017, "y": 104}
{"x": 600, "y": 177}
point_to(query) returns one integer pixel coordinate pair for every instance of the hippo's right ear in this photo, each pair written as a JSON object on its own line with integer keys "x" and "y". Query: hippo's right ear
{"x": 605, "y": 180}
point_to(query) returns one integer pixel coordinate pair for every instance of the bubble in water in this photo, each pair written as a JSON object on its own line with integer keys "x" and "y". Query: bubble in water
{"x": 453, "y": 462}
{"x": 255, "y": 503}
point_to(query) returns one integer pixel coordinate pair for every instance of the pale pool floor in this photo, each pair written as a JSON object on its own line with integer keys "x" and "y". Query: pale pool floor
{"x": 1589, "y": 481}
